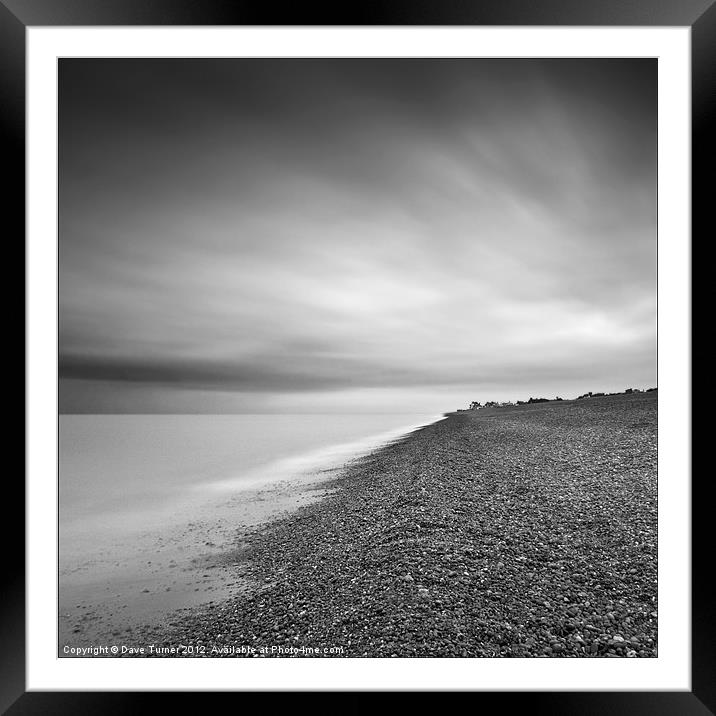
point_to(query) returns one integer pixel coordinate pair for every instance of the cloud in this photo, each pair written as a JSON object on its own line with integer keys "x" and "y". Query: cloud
{"x": 297, "y": 228}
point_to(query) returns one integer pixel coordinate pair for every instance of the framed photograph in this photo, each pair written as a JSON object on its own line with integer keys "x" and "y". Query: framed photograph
{"x": 347, "y": 340}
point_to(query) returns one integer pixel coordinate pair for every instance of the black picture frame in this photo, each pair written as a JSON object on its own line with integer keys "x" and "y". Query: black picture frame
{"x": 17, "y": 15}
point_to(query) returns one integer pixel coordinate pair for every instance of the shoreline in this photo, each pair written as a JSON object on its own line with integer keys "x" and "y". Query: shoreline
{"x": 110, "y": 589}
{"x": 527, "y": 531}
{"x": 163, "y": 572}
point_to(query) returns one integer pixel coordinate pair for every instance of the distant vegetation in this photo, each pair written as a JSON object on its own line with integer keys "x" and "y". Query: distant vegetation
{"x": 624, "y": 392}
{"x": 496, "y": 404}
{"x": 475, "y": 405}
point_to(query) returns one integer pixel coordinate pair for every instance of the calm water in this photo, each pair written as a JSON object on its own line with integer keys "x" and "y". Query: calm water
{"x": 120, "y": 473}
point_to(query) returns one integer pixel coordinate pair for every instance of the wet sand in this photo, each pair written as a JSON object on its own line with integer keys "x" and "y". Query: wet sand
{"x": 196, "y": 562}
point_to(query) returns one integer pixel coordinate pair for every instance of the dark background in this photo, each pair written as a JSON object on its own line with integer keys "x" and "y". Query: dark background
{"x": 15, "y": 15}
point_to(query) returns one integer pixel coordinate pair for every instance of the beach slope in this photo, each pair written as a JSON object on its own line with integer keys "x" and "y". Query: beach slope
{"x": 518, "y": 531}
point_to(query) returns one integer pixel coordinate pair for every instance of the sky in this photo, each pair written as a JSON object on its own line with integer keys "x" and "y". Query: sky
{"x": 389, "y": 235}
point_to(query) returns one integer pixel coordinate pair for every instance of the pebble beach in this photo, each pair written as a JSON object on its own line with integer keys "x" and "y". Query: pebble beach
{"x": 525, "y": 531}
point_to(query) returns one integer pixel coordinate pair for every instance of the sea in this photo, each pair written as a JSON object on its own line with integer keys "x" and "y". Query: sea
{"x": 152, "y": 507}
{"x": 120, "y": 474}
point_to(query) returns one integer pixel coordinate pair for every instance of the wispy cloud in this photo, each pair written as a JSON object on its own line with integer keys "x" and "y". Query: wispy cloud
{"x": 264, "y": 229}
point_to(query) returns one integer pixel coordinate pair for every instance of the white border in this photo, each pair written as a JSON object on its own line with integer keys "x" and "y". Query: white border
{"x": 671, "y": 670}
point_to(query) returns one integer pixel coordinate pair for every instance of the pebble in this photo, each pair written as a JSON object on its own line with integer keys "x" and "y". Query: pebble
{"x": 492, "y": 554}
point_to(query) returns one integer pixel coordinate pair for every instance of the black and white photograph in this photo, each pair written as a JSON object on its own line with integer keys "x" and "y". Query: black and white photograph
{"x": 357, "y": 357}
